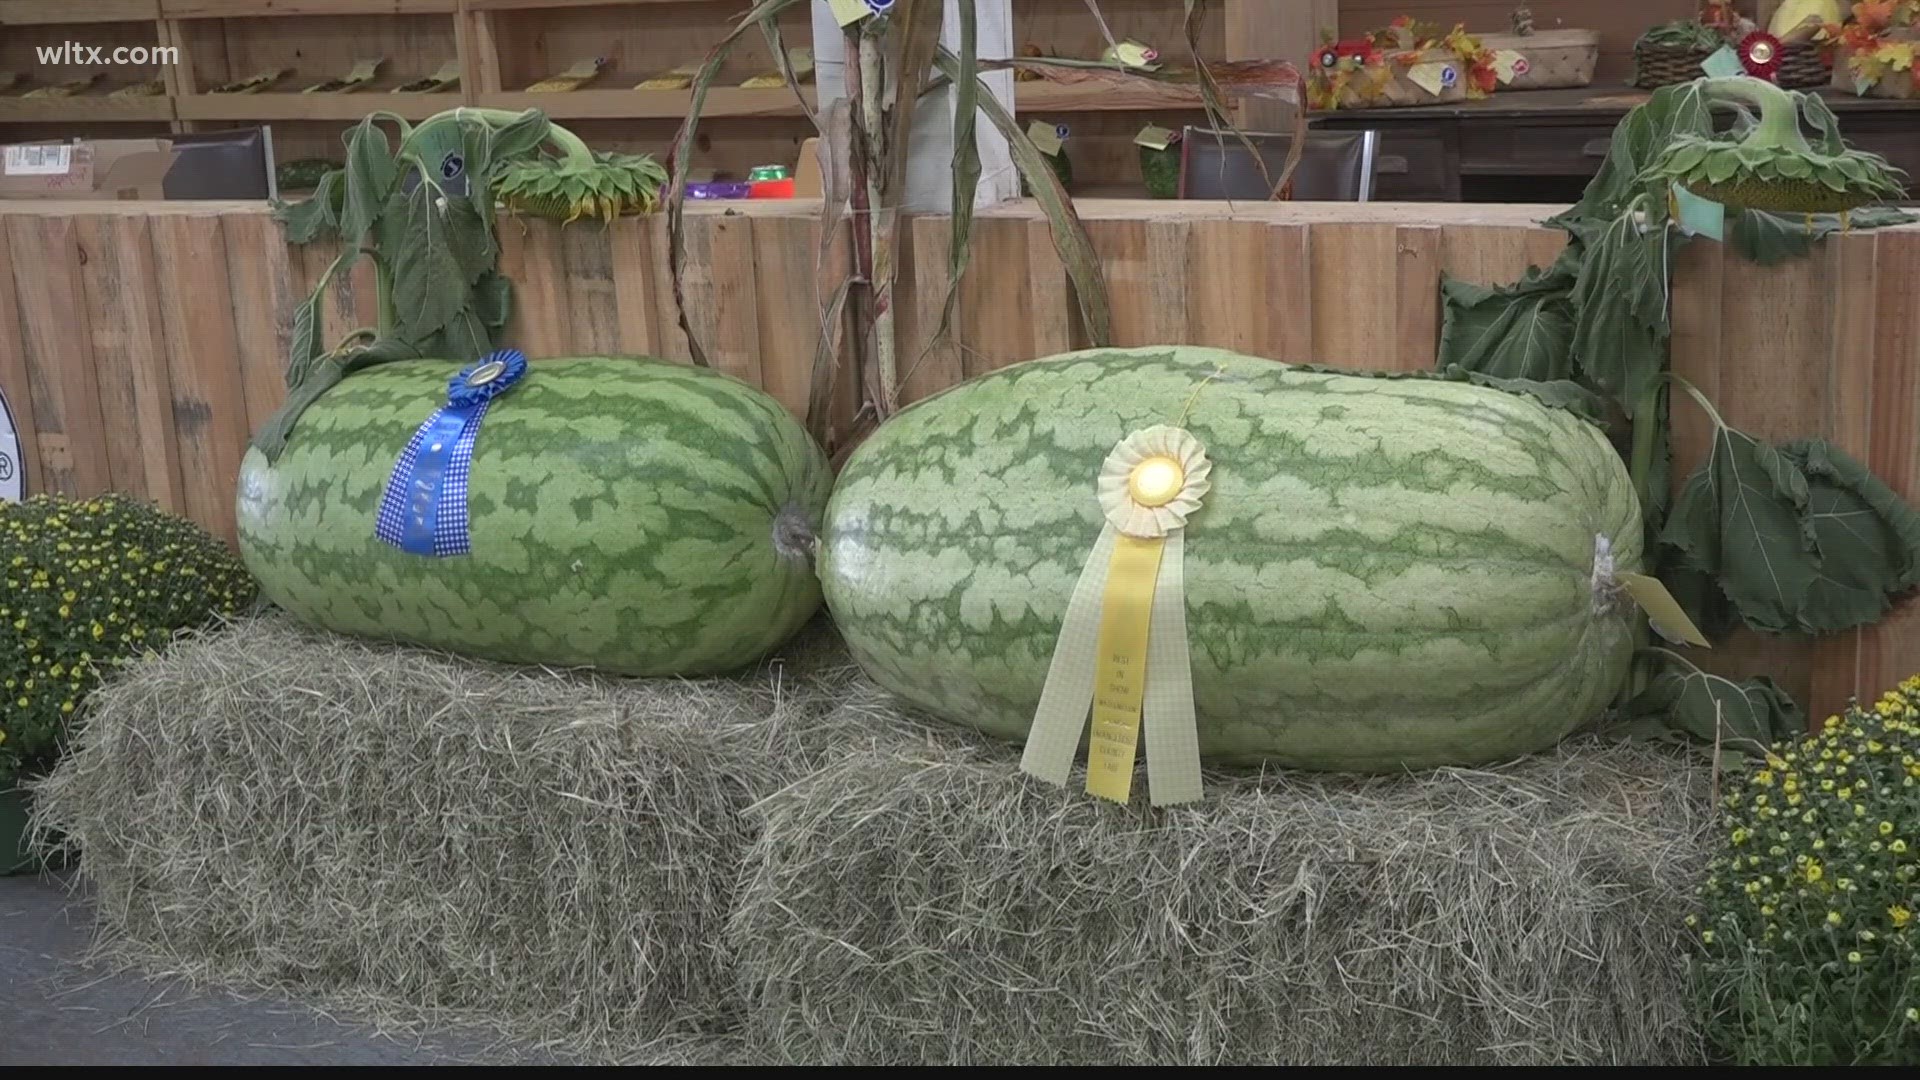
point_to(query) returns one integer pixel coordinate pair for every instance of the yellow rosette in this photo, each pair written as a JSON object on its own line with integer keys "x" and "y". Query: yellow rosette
{"x": 1123, "y": 644}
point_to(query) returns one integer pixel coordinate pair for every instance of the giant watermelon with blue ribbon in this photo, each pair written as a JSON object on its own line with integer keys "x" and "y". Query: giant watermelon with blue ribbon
{"x": 631, "y": 515}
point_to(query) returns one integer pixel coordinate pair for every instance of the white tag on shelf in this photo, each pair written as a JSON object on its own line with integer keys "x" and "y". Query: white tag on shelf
{"x": 39, "y": 160}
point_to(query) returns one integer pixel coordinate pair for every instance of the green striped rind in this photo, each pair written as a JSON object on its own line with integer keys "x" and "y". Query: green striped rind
{"x": 622, "y": 511}
{"x": 1386, "y": 573}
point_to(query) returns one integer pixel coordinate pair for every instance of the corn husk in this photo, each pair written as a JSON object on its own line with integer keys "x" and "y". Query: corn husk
{"x": 573, "y": 78}
{"x": 446, "y": 78}
{"x": 802, "y": 62}
{"x": 67, "y": 89}
{"x": 679, "y": 78}
{"x": 150, "y": 88}
{"x": 254, "y": 84}
{"x": 362, "y": 74}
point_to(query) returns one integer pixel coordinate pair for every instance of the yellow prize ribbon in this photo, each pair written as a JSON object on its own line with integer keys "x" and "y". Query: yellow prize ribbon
{"x": 1120, "y": 674}
{"x": 1123, "y": 639}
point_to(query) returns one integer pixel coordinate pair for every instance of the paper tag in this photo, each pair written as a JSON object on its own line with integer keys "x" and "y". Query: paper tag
{"x": 39, "y": 160}
{"x": 1509, "y": 65}
{"x": 366, "y": 69}
{"x": 1045, "y": 137}
{"x": 1698, "y": 216}
{"x": 584, "y": 69}
{"x": 1724, "y": 64}
{"x": 1135, "y": 55}
{"x": 848, "y": 12}
{"x": 1154, "y": 137}
{"x": 1433, "y": 78}
{"x": 1669, "y": 619}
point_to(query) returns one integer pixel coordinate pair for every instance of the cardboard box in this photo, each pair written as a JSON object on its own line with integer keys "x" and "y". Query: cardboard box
{"x": 806, "y": 172}
{"x": 92, "y": 169}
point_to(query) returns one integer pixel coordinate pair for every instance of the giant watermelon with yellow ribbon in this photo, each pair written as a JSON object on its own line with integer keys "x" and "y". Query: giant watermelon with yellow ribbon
{"x": 1200, "y": 558}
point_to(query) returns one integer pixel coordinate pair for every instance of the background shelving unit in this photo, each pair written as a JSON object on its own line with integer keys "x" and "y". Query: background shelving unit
{"x": 224, "y": 41}
{"x": 28, "y": 25}
{"x": 505, "y": 46}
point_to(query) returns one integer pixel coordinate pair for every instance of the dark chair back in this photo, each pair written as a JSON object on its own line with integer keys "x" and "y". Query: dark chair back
{"x": 1335, "y": 166}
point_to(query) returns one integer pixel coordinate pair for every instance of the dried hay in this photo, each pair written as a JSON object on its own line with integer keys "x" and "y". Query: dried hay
{"x": 785, "y": 867}
{"x": 931, "y": 905}
{"x": 278, "y": 808}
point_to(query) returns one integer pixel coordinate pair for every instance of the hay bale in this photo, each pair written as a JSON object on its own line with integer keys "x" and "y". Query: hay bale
{"x": 275, "y": 807}
{"x": 920, "y": 903}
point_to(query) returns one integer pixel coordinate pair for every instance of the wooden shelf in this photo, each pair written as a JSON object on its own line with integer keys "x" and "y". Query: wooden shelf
{"x": 1136, "y": 97}
{"x": 530, "y": 5}
{"x": 88, "y": 108}
{"x": 733, "y": 101}
{"x": 285, "y": 106}
{"x": 266, "y": 9}
{"x": 63, "y": 12}
{"x": 721, "y": 101}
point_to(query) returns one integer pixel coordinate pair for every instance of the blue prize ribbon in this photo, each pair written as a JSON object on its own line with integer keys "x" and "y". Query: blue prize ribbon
{"x": 424, "y": 508}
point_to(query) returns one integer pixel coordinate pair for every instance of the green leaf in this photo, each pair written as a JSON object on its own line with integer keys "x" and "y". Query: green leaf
{"x": 1522, "y": 331}
{"x": 493, "y": 300}
{"x": 429, "y": 282}
{"x": 1769, "y": 239}
{"x": 1801, "y": 538}
{"x": 371, "y": 175}
{"x": 681, "y": 160}
{"x": 520, "y": 137}
{"x": 1638, "y": 141}
{"x": 913, "y": 35}
{"x": 1620, "y": 300}
{"x": 472, "y": 242}
{"x": 1069, "y": 235}
{"x": 306, "y": 348}
{"x": 1695, "y": 706}
{"x": 1697, "y": 593}
{"x": 966, "y": 168}
{"x": 1562, "y": 394}
{"x": 318, "y": 215}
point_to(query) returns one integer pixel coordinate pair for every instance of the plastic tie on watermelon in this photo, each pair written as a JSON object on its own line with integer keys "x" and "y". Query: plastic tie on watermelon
{"x": 424, "y": 508}
{"x": 1122, "y": 649}
{"x": 1613, "y": 587}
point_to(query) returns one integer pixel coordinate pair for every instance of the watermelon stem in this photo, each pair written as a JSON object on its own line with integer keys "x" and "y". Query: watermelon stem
{"x": 794, "y": 537}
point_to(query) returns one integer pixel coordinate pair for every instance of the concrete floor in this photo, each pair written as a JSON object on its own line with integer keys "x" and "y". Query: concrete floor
{"x": 53, "y": 1012}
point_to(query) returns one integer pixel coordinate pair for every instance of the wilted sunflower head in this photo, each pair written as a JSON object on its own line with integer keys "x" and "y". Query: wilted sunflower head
{"x": 1781, "y": 179}
{"x": 613, "y": 185}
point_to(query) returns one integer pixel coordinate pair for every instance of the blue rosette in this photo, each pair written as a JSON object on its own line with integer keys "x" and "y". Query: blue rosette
{"x": 424, "y": 509}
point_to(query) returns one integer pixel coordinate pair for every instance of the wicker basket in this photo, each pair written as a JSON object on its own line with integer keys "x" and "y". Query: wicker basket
{"x": 1654, "y": 66}
{"x": 1804, "y": 66}
{"x": 1555, "y": 58}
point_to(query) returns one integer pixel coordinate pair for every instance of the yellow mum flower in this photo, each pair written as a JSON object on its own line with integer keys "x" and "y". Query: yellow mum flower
{"x": 1834, "y": 919}
{"x": 1706, "y": 936}
{"x": 1899, "y": 917}
{"x": 1853, "y": 958}
{"x": 1886, "y": 827}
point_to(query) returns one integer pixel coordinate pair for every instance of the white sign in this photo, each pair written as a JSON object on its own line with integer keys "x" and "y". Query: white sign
{"x": 13, "y": 464}
{"x": 39, "y": 160}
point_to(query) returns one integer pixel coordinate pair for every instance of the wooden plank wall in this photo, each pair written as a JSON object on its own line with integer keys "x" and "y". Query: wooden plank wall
{"x": 141, "y": 343}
